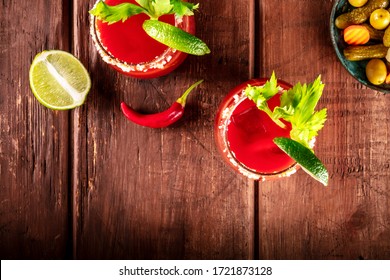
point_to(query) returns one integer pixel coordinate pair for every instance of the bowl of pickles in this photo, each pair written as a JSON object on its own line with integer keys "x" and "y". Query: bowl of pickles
{"x": 360, "y": 33}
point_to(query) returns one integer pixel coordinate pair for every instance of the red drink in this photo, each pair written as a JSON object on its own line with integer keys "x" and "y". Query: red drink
{"x": 127, "y": 48}
{"x": 244, "y": 136}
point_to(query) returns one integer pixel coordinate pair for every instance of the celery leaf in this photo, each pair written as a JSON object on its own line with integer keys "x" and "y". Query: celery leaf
{"x": 297, "y": 106}
{"x": 112, "y": 14}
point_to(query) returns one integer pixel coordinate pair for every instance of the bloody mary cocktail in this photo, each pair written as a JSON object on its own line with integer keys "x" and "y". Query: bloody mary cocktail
{"x": 244, "y": 135}
{"x": 126, "y": 47}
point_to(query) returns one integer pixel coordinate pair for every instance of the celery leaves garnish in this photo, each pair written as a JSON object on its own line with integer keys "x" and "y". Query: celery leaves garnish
{"x": 161, "y": 7}
{"x": 181, "y": 8}
{"x": 261, "y": 94}
{"x": 112, "y": 14}
{"x": 297, "y": 106}
{"x": 153, "y": 8}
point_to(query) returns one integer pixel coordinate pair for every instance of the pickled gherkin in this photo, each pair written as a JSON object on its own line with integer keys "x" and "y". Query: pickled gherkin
{"x": 386, "y": 37}
{"x": 374, "y": 34}
{"x": 359, "y": 15}
{"x": 357, "y": 53}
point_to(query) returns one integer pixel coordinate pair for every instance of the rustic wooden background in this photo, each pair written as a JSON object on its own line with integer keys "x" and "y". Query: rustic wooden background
{"x": 88, "y": 184}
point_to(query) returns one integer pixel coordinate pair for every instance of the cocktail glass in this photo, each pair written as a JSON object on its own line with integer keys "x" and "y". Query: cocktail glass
{"x": 127, "y": 48}
{"x": 244, "y": 135}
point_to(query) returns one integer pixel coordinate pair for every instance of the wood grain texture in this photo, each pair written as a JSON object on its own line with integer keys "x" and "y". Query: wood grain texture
{"x": 162, "y": 193}
{"x": 88, "y": 184}
{"x": 34, "y": 140}
{"x": 349, "y": 219}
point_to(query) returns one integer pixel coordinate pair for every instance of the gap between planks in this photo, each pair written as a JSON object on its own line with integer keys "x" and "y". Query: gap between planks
{"x": 254, "y": 72}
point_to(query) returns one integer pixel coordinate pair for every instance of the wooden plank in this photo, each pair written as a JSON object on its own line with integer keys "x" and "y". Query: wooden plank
{"x": 34, "y": 140}
{"x": 299, "y": 218}
{"x": 162, "y": 193}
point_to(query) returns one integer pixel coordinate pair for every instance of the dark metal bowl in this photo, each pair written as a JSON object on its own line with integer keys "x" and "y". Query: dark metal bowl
{"x": 355, "y": 68}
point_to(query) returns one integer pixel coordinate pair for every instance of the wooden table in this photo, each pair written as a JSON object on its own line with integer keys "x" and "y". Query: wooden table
{"x": 88, "y": 184}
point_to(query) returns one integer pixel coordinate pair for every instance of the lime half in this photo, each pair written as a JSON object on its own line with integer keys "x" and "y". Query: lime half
{"x": 59, "y": 80}
{"x": 175, "y": 37}
{"x": 304, "y": 157}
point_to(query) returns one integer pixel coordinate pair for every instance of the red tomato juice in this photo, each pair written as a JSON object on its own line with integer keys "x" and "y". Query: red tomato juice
{"x": 250, "y": 135}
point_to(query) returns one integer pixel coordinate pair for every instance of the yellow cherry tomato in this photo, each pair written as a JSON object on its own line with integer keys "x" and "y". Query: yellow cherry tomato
{"x": 376, "y": 71}
{"x": 380, "y": 19}
{"x": 357, "y": 3}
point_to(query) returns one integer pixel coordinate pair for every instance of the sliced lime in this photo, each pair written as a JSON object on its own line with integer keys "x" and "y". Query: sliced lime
{"x": 59, "y": 80}
{"x": 175, "y": 37}
{"x": 304, "y": 157}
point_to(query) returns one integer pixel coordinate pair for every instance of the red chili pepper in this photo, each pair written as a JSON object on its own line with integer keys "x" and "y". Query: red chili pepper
{"x": 162, "y": 119}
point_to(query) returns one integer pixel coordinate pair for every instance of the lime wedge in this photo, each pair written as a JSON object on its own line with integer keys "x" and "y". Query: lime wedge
{"x": 175, "y": 37}
{"x": 59, "y": 80}
{"x": 304, "y": 157}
